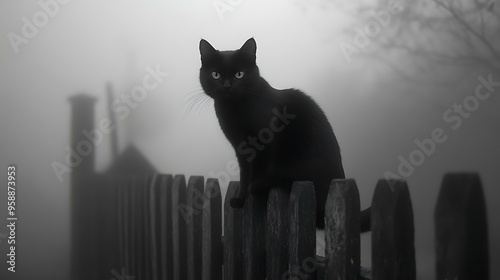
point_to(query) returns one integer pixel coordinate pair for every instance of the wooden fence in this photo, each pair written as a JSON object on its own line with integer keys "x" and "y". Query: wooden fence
{"x": 159, "y": 227}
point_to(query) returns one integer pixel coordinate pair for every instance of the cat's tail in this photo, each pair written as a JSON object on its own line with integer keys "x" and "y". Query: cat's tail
{"x": 364, "y": 216}
{"x": 238, "y": 201}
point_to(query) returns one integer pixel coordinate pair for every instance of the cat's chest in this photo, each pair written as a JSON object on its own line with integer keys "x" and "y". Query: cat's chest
{"x": 239, "y": 122}
{"x": 234, "y": 119}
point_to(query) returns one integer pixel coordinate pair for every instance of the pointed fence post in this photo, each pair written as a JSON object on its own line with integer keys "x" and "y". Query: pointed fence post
{"x": 157, "y": 223}
{"x": 179, "y": 245}
{"x": 234, "y": 262}
{"x": 194, "y": 202}
{"x": 461, "y": 229}
{"x": 132, "y": 213}
{"x": 138, "y": 227}
{"x": 146, "y": 227}
{"x": 393, "y": 249}
{"x": 122, "y": 229}
{"x": 342, "y": 226}
{"x": 277, "y": 233}
{"x": 165, "y": 229}
{"x": 255, "y": 237}
{"x": 212, "y": 232}
{"x": 302, "y": 262}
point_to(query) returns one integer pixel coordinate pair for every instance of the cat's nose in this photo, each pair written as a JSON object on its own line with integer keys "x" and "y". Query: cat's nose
{"x": 226, "y": 85}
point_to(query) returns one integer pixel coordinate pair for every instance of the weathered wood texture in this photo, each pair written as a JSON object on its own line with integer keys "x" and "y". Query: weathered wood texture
{"x": 179, "y": 246}
{"x": 342, "y": 225}
{"x": 137, "y": 226}
{"x": 212, "y": 232}
{"x": 277, "y": 234}
{"x": 234, "y": 262}
{"x": 157, "y": 228}
{"x": 194, "y": 217}
{"x": 255, "y": 238}
{"x": 302, "y": 232}
{"x": 146, "y": 228}
{"x": 165, "y": 232}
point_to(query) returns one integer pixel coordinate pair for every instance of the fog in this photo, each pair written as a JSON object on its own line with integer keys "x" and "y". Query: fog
{"x": 379, "y": 99}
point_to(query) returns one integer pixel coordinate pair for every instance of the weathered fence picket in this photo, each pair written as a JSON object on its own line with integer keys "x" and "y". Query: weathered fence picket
{"x": 136, "y": 238}
{"x": 157, "y": 228}
{"x": 212, "y": 232}
{"x": 127, "y": 212}
{"x": 302, "y": 263}
{"x": 461, "y": 229}
{"x": 393, "y": 249}
{"x": 179, "y": 246}
{"x": 234, "y": 262}
{"x": 194, "y": 204}
{"x": 342, "y": 228}
{"x": 141, "y": 272}
{"x": 254, "y": 222}
{"x": 166, "y": 231}
{"x": 146, "y": 227}
{"x": 122, "y": 219}
{"x": 277, "y": 233}
{"x": 131, "y": 242}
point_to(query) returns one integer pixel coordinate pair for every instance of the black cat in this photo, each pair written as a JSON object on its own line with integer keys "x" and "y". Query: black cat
{"x": 279, "y": 136}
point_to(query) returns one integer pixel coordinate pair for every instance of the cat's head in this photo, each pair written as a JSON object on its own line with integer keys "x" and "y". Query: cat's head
{"x": 228, "y": 74}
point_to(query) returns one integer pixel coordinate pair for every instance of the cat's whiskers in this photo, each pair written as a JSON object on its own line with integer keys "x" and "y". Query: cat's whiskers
{"x": 192, "y": 102}
{"x": 207, "y": 102}
{"x": 199, "y": 108}
{"x": 193, "y": 94}
{"x": 196, "y": 100}
{"x": 193, "y": 98}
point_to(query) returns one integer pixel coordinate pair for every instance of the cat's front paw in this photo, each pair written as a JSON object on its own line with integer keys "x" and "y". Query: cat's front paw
{"x": 237, "y": 202}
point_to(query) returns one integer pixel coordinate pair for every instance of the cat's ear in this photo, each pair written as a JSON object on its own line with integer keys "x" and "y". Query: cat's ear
{"x": 249, "y": 47}
{"x": 206, "y": 49}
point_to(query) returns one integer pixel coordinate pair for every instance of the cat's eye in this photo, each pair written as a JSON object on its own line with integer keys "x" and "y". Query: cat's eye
{"x": 239, "y": 75}
{"x": 215, "y": 75}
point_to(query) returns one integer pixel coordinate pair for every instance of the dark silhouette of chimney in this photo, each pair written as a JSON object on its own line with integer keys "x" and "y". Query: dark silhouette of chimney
{"x": 82, "y": 118}
{"x": 83, "y": 231}
{"x": 112, "y": 117}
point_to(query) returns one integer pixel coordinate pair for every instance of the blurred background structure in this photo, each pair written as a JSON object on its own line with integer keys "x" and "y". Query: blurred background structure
{"x": 91, "y": 222}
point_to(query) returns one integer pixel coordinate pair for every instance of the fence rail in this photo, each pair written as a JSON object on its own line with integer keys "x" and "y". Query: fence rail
{"x": 159, "y": 227}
